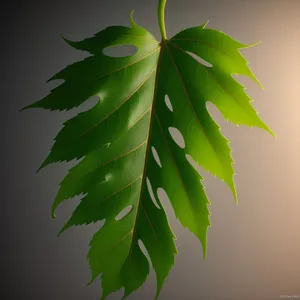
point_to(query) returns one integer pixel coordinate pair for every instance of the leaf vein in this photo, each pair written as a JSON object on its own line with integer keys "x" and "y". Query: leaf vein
{"x": 150, "y": 223}
{"x": 190, "y": 102}
{"x": 129, "y": 65}
{"x": 122, "y": 155}
{"x": 216, "y": 80}
{"x": 172, "y": 156}
{"x": 122, "y": 189}
{"x": 121, "y": 239}
{"x": 202, "y": 42}
{"x": 121, "y": 104}
{"x": 142, "y": 37}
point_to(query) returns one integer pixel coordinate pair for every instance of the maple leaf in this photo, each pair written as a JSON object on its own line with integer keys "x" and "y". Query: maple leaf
{"x": 126, "y": 141}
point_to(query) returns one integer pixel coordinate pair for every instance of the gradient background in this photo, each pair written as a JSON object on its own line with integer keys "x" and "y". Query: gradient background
{"x": 253, "y": 248}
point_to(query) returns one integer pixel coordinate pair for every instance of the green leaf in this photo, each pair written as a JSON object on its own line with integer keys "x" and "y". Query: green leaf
{"x": 127, "y": 147}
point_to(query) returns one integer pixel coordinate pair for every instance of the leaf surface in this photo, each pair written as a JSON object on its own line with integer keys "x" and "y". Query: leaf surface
{"x": 142, "y": 99}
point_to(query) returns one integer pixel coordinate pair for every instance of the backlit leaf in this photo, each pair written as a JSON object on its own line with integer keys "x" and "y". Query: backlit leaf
{"x": 150, "y": 114}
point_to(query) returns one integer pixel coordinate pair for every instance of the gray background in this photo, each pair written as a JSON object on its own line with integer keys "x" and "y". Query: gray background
{"x": 253, "y": 248}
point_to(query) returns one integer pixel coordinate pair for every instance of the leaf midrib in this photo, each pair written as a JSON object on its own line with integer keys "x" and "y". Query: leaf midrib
{"x": 152, "y": 116}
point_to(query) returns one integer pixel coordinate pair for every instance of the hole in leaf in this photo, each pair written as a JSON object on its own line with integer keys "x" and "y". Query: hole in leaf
{"x": 144, "y": 250}
{"x": 54, "y": 83}
{"x": 155, "y": 155}
{"x": 80, "y": 109}
{"x": 200, "y": 60}
{"x": 151, "y": 193}
{"x": 90, "y": 103}
{"x": 123, "y": 213}
{"x": 120, "y": 50}
{"x": 166, "y": 202}
{"x": 168, "y": 103}
{"x": 193, "y": 163}
{"x": 177, "y": 137}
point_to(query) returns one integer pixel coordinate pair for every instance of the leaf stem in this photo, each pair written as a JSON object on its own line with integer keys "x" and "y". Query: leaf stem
{"x": 161, "y": 18}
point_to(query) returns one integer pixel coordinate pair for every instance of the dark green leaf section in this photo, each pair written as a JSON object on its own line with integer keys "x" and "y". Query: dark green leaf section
{"x": 115, "y": 138}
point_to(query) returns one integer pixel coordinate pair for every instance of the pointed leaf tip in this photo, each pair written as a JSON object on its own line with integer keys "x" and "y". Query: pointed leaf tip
{"x": 39, "y": 169}
{"x": 235, "y": 196}
{"x": 204, "y": 251}
{"x": 90, "y": 282}
{"x": 23, "y": 108}
{"x": 272, "y": 133}
{"x": 253, "y": 45}
{"x": 32, "y": 105}
{"x": 103, "y": 297}
{"x": 204, "y": 255}
{"x": 261, "y": 86}
{"x": 205, "y": 24}
{"x": 69, "y": 42}
{"x": 42, "y": 166}
{"x": 269, "y": 130}
{"x": 61, "y": 231}
{"x": 157, "y": 294}
{"x": 133, "y": 24}
{"x": 53, "y": 215}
